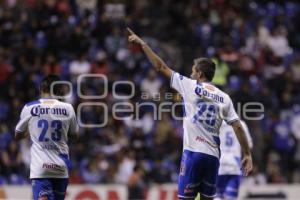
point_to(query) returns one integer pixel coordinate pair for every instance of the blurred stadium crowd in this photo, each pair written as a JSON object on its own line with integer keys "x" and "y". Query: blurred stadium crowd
{"x": 255, "y": 45}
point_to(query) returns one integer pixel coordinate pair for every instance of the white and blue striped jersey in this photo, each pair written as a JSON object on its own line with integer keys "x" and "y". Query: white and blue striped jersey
{"x": 231, "y": 153}
{"x": 205, "y": 107}
{"x": 48, "y": 122}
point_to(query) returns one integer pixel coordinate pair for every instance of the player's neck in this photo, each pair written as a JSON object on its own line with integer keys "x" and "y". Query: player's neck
{"x": 202, "y": 80}
{"x": 46, "y": 96}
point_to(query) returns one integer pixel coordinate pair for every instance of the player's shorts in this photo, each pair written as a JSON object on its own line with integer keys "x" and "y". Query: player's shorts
{"x": 49, "y": 188}
{"x": 228, "y": 186}
{"x": 198, "y": 174}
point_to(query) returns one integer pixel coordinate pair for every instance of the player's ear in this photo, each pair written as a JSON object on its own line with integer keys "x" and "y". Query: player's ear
{"x": 200, "y": 75}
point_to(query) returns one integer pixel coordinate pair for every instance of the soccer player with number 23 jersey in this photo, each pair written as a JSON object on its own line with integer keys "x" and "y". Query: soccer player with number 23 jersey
{"x": 50, "y": 124}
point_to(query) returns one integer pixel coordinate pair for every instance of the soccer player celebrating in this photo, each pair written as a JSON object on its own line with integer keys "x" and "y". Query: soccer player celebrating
{"x": 230, "y": 163}
{"x": 205, "y": 108}
{"x": 50, "y": 124}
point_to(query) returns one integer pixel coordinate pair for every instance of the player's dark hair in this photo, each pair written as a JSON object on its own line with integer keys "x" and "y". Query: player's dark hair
{"x": 46, "y": 83}
{"x": 206, "y": 66}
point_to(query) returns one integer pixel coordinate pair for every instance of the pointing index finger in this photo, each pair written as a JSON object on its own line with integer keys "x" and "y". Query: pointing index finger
{"x": 130, "y": 31}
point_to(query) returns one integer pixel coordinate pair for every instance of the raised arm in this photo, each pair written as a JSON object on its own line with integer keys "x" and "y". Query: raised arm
{"x": 155, "y": 60}
{"x": 241, "y": 136}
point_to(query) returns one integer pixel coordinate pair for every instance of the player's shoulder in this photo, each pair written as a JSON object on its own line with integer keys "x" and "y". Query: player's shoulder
{"x": 32, "y": 103}
{"x": 208, "y": 86}
{"x": 226, "y": 96}
{"x": 28, "y": 106}
{"x": 65, "y": 104}
{"x": 181, "y": 77}
{"x": 212, "y": 88}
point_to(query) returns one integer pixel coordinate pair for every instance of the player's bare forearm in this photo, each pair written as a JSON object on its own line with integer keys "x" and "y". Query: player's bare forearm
{"x": 241, "y": 136}
{"x": 247, "y": 164}
{"x": 155, "y": 60}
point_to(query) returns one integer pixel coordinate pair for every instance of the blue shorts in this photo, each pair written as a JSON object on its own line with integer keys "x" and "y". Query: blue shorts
{"x": 49, "y": 188}
{"x": 198, "y": 174}
{"x": 228, "y": 186}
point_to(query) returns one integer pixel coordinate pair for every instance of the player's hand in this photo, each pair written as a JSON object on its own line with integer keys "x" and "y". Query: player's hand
{"x": 247, "y": 165}
{"x": 134, "y": 38}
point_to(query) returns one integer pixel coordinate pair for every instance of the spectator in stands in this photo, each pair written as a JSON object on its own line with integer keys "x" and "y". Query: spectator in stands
{"x": 126, "y": 165}
{"x": 51, "y": 66}
{"x": 278, "y": 42}
{"x": 135, "y": 183}
{"x": 80, "y": 66}
{"x": 100, "y": 66}
{"x": 5, "y": 70}
{"x": 90, "y": 172}
{"x": 151, "y": 84}
{"x": 11, "y": 160}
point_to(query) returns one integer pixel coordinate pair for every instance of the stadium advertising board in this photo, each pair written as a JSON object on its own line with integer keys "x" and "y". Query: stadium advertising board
{"x": 156, "y": 192}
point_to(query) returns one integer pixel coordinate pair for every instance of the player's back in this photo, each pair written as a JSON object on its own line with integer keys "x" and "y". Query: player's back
{"x": 205, "y": 107}
{"x": 49, "y": 121}
{"x": 230, "y": 161}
